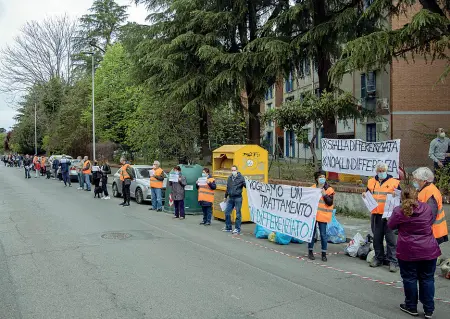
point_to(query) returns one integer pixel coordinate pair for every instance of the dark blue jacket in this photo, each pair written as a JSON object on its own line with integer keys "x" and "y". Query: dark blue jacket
{"x": 55, "y": 164}
{"x": 64, "y": 163}
{"x": 235, "y": 185}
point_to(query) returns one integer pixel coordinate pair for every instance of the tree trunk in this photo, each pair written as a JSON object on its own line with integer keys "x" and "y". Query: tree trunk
{"x": 312, "y": 147}
{"x": 254, "y": 124}
{"x": 205, "y": 154}
{"x": 323, "y": 67}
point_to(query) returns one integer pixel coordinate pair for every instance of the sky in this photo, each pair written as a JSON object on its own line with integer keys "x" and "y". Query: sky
{"x": 14, "y": 14}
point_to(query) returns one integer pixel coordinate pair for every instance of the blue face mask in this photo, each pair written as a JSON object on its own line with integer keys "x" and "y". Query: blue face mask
{"x": 322, "y": 180}
{"x": 204, "y": 175}
{"x": 416, "y": 185}
{"x": 382, "y": 175}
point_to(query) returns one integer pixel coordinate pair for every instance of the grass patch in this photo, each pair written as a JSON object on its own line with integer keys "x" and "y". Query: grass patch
{"x": 347, "y": 212}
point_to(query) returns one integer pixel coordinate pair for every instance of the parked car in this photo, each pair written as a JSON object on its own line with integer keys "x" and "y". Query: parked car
{"x": 140, "y": 187}
{"x": 58, "y": 157}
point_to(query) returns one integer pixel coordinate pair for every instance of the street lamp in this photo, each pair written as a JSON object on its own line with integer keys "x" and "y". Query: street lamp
{"x": 93, "y": 104}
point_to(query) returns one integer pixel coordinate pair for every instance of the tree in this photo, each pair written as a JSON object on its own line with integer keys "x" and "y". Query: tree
{"x": 205, "y": 48}
{"x": 100, "y": 27}
{"x": 427, "y": 35}
{"x": 297, "y": 114}
{"x": 41, "y": 52}
{"x": 115, "y": 95}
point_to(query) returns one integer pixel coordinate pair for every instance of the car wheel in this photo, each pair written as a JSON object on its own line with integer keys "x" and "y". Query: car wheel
{"x": 139, "y": 196}
{"x": 115, "y": 190}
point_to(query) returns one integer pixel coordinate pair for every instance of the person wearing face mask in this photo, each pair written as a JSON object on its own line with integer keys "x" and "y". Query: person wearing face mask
{"x": 430, "y": 194}
{"x": 380, "y": 186}
{"x": 156, "y": 184}
{"x": 233, "y": 198}
{"x": 206, "y": 196}
{"x": 324, "y": 214}
{"x": 439, "y": 148}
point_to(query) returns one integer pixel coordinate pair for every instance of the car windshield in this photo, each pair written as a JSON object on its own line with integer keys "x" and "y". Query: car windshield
{"x": 144, "y": 172}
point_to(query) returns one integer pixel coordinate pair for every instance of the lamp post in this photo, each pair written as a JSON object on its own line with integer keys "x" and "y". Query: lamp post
{"x": 93, "y": 104}
{"x": 35, "y": 130}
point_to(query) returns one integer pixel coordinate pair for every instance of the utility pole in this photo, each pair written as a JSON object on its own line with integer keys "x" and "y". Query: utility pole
{"x": 93, "y": 108}
{"x": 35, "y": 130}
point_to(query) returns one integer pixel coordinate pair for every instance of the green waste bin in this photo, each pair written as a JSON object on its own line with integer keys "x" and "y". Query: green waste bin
{"x": 191, "y": 206}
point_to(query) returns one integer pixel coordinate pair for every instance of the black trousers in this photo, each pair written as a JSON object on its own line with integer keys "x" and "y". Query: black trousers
{"x": 105, "y": 185}
{"x": 126, "y": 192}
{"x": 380, "y": 232}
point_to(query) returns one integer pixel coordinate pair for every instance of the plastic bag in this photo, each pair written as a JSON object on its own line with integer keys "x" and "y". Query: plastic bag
{"x": 335, "y": 231}
{"x": 370, "y": 256}
{"x": 279, "y": 238}
{"x": 296, "y": 241}
{"x": 261, "y": 232}
{"x": 353, "y": 245}
{"x": 445, "y": 268}
{"x": 363, "y": 251}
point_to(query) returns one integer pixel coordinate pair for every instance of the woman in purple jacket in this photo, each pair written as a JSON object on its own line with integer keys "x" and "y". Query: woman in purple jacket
{"x": 417, "y": 251}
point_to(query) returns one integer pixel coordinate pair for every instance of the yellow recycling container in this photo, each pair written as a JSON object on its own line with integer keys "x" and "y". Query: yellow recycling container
{"x": 252, "y": 162}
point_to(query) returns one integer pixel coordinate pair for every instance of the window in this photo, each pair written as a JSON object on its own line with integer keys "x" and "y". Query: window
{"x": 269, "y": 137}
{"x": 368, "y": 90}
{"x": 371, "y": 132}
{"x": 269, "y": 93}
{"x": 269, "y": 107}
{"x": 289, "y": 86}
{"x": 290, "y": 144}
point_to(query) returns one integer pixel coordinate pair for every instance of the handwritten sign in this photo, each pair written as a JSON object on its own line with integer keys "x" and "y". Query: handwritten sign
{"x": 202, "y": 181}
{"x": 354, "y": 156}
{"x": 369, "y": 201}
{"x": 173, "y": 178}
{"x": 286, "y": 209}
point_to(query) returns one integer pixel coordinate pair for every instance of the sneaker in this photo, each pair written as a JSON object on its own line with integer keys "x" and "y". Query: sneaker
{"x": 375, "y": 263}
{"x": 202, "y": 223}
{"x": 393, "y": 267}
{"x": 226, "y": 230}
{"x": 207, "y": 224}
{"x": 121, "y": 204}
{"x": 126, "y": 204}
{"x": 428, "y": 315}
{"x": 412, "y": 312}
{"x": 159, "y": 210}
{"x": 151, "y": 208}
{"x": 79, "y": 188}
{"x": 175, "y": 217}
{"x": 236, "y": 232}
{"x": 311, "y": 255}
{"x": 107, "y": 197}
{"x": 181, "y": 218}
{"x": 324, "y": 257}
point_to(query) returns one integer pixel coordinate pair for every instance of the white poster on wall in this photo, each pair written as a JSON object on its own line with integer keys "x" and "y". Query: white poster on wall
{"x": 357, "y": 157}
{"x": 290, "y": 210}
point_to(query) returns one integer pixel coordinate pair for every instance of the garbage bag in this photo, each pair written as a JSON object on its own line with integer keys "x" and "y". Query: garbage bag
{"x": 261, "y": 232}
{"x": 445, "y": 268}
{"x": 363, "y": 251}
{"x": 370, "y": 256}
{"x": 335, "y": 231}
{"x": 353, "y": 245}
{"x": 296, "y": 241}
{"x": 279, "y": 238}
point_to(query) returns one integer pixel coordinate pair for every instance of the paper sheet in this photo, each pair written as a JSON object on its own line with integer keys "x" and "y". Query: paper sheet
{"x": 173, "y": 178}
{"x": 370, "y": 202}
{"x": 202, "y": 181}
{"x": 391, "y": 203}
{"x": 223, "y": 206}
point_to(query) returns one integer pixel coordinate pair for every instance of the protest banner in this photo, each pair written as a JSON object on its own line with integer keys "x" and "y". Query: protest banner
{"x": 289, "y": 210}
{"x": 357, "y": 157}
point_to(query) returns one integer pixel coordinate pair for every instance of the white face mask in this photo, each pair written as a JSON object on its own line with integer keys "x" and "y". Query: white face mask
{"x": 442, "y": 134}
{"x": 234, "y": 173}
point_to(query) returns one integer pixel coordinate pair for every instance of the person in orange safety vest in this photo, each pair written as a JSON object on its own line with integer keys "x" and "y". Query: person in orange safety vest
{"x": 206, "y": 196}
{"x": 157, "y": 176}
{"x": 324, "y": 214}
{"x": 380, "y": 186}
{"x": 430, "y": 194}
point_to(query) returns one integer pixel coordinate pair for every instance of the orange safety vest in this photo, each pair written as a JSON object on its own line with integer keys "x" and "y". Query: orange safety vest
{"x": 154, "y": 183}
{"x": 43, "y": 160}
{"x": 440, "y": 224}
{"x": 324, "y": 212}
{"x": 87, "y": 172}
{"x": 380, "y": 192}
{"x": 123, "y": 172}
{"x": 206, "y": 194}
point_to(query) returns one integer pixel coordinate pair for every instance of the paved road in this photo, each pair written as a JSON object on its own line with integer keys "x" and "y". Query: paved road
{"x": 54, "y": 263}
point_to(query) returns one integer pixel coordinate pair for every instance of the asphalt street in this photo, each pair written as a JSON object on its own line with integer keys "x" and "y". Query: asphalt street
{"x": 60, "y": 258}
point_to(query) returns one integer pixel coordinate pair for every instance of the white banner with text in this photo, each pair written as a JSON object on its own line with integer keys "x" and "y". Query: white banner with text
{"x": 357, "y": 157}
{"x": 290, "y": 210}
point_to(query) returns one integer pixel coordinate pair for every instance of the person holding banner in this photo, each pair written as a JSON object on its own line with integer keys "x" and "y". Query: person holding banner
{"x": 206, "y": 196}
{"x": 324, "y": 214}
{"x": 233, "y": 198}
{"x": 430, "y": 194}
{"x": 380, "y": 186}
